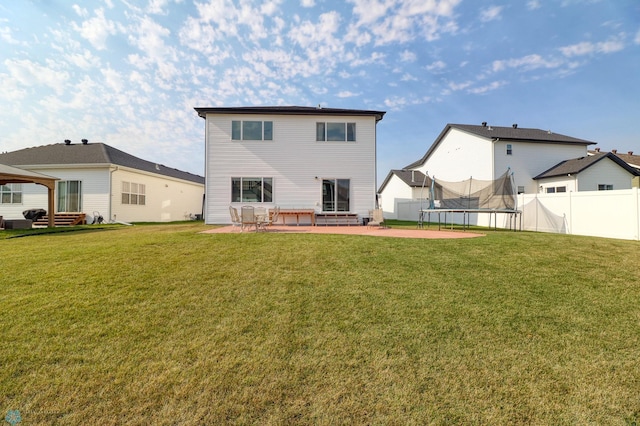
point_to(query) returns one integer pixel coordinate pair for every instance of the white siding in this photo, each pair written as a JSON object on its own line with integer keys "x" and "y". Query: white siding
{"x": 569, "y": 182}
{"x": 95, "y": 187}
{"x": 167, "y": 199}
{"x": 395, "y": 190}
{"x": 295, "y": 161}
{"x": 604, "y": 172}
{"x": 529, "y": 159}
{"x": 460, "y": 156}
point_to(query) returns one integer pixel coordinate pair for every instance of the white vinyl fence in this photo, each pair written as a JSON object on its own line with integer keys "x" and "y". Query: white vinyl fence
{"x": 609, "y": 214}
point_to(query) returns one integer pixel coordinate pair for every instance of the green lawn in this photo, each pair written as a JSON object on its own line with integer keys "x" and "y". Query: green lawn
{"x": 158, "y": 324}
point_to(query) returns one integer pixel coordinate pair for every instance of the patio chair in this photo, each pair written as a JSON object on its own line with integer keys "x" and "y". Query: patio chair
{"x": 262, "y": 218}
{"x": 248, "y": 217}
{"x": 376, "y": 218}
{"x": 235, "y": 218}
{"x": 273, "y": 217}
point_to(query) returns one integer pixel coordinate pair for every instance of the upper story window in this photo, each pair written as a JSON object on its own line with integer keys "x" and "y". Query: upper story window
{"x": 251, "y": 130}
{"x": 133, "y": 193}
{"x": 509, "y": 149}
{"x": 605, "y": 187}
{"x": 336, "y": 132}
{"x": 11, "y": 193}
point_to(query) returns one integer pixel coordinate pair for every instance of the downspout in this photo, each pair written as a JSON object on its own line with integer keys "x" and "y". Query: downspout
{"x": 111, "y": 191}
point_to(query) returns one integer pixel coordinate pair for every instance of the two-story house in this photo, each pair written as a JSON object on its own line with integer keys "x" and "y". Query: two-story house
{"x": 484, "y": 152}
{"x": 289, "y": 156}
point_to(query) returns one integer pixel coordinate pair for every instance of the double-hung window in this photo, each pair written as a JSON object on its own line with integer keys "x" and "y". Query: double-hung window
{"x": 251, "y": 190}
{"x": 509, "y": 149}
{"x": 134, "y": 193}
{"x": 335, "y": 195}
{"x": 11, "y": 193}
{"x": 336, "y": 132}
{"x": 251, "y": 130}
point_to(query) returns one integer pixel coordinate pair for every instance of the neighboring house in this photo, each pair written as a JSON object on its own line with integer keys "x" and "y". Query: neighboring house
{"x": 322, "y": 159}
{"x": 96, "y": 178}
{"x": 629, "y": 157}
{"x": 405, "y": 186}
{"x": 596, "y": 172}
{"x": 485, "y": 152}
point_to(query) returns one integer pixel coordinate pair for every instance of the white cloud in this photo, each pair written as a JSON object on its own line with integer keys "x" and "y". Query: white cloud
{"x": 459, "y": 86}
{"x": 80, "y": 11}
{"x": 157, "y": 7}
{"x": 96, "y": 30}
{"x": 533, "y": 4}
{"x": 637, "y": 39}
{"x": 436, "y": 66}
{"x": 28, "y": 73}
{"x": 347, "y": 94}
{"x": 113, "y": 79}
{"x": 526, "y": 63}
{"x": 488, "y": 88}
{"x": 391, "y": 21}
{"x": 408, "y": 77}
{"x": 491, "y": 14}
{"x": 587, "y": 48}
{"x": 307, "y": 3}
{"x": 7, "y": 36}
{"x": 407, "y": 56}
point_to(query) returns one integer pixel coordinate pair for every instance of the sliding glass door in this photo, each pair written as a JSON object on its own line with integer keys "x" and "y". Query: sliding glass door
{"x": 69, "y": 196}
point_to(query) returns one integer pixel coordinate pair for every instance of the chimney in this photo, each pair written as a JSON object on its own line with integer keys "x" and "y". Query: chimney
{"x": 615, "y": 151}
{"x": 84, "y": 141}
{"x": 597, "y": 149}
{"x": 630, "y": 152}
{"x": 514, "y": 125}
{"x": 67, "y": 142}
{"x": 484, "y": 124}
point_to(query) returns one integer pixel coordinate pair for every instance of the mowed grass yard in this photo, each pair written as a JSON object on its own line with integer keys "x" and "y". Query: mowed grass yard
{"x": 158, "y": 324}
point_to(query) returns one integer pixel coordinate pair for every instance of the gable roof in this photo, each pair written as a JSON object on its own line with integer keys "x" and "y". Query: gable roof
{"x": 513, "y": 133}
{"x": 629, "y": 158}
{"x": 413, "y": 178}
{"x": 288, "y": 110}
{"x": 577, "y": 165}
{"x": 90, "y": 153}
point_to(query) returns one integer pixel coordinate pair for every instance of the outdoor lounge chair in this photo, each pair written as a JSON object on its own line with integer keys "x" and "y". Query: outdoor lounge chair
{"x": 235, "y": 218}
{"x": 376, "y": 218}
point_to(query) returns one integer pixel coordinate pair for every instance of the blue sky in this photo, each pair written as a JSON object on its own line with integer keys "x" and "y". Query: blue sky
{"x": 128, "y": 73}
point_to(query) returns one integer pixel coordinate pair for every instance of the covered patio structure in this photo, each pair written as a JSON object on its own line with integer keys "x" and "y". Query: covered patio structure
{"x": 9, "y": 174}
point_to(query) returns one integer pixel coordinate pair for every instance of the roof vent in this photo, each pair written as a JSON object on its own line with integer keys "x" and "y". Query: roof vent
{"x": 630, "y": 152}
{"x": 484, "y": 124}
{"x": 615, "y": 151}
{"x": 84, "y": 141}
{"x": 597, "y": 149}
{"x": 67, "y": 142}
{"x": 514, "y": 125}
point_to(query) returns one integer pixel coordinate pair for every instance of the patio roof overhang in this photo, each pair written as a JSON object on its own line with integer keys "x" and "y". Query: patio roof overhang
{"x": 9, "y": 174}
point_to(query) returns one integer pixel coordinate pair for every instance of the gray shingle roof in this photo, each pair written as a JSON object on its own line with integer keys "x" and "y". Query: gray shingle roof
{"x": 412, "y": 178}
{"x": 91, "y": 153}
{"x": 629, "y": 158}
{"x": 503, "y": 133}
{"x": 288, "y": 110}
{"x": 576, "y": 165}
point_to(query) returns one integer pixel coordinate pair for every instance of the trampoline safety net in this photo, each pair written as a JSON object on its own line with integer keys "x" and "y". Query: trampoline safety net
{"x": 498, "y": 194}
